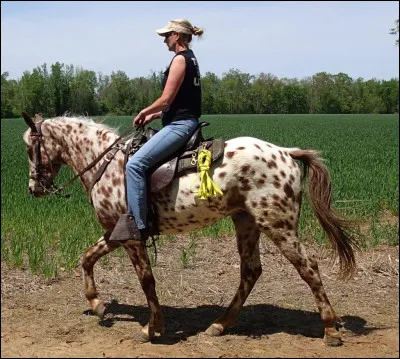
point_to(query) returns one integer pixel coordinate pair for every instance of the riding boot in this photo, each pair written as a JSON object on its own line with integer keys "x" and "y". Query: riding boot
{"x": 126, "y": 229}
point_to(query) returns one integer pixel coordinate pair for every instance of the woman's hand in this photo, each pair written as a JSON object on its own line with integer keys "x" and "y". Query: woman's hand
{"x": 141, "y": 119}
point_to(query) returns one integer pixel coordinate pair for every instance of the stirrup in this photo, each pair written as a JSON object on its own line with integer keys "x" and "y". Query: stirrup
{"x": 126, "y": 229}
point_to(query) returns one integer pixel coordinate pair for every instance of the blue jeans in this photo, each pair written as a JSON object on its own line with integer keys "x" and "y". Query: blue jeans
{"x": 164, "y": 143}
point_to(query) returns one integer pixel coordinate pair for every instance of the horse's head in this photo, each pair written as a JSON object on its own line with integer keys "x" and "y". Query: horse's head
{"x": 44, "y": 160}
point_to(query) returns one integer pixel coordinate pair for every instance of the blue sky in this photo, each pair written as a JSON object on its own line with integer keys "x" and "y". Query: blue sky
{"x": 293, "y": 39}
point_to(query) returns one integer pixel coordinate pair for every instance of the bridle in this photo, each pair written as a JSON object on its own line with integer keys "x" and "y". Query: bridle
{"x": 46, "y": 186}
{"x": 51, "y": 188}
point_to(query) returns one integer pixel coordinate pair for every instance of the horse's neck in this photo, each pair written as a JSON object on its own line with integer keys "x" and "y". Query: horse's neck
{"x": 81, "y": 143}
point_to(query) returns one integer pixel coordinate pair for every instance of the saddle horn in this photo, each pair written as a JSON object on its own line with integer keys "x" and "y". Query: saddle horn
{"x": 29, "y": 121}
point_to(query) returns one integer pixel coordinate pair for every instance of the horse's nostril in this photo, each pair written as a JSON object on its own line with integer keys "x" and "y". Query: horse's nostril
{"x": 30, "y": 191}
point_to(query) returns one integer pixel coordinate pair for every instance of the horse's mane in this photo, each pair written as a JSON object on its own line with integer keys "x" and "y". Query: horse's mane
{"x": 82, "y": 119}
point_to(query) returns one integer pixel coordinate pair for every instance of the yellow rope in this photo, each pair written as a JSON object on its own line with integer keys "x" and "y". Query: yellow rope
{"x": 208, "y": 188}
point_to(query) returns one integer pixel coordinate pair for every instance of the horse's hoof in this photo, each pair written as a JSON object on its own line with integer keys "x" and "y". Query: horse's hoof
{"x": 145, "y": 335}
{"x": 142, "y": 338}
{"x": 99, "y": 309}
{"x": 333, "y": 341}
{"x": 215, "y": 330}
{"x": 159, "y": 330}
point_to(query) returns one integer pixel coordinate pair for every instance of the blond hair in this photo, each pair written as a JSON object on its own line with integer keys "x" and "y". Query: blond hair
{"x": 187, "y": 30}
{"x": 187, "y": 25}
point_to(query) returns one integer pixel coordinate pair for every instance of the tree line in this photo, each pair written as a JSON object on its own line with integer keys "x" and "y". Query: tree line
{"x": 65, "y": 88}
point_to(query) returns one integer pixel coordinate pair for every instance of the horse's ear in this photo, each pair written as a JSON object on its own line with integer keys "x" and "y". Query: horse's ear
{"x": 29, "y": 121}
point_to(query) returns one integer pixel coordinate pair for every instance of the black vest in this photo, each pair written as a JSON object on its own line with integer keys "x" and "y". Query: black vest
{"x": 187, "y": 102}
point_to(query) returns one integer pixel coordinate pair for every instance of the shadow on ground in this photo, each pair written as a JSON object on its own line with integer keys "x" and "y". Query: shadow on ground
{"x": 254, "y": 321}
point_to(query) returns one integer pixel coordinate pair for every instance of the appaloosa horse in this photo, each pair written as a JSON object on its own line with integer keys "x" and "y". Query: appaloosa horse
{"x": 262, "y": 192}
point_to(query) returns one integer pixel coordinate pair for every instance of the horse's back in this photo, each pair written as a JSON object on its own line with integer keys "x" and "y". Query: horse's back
{"x": 253, "y": 149}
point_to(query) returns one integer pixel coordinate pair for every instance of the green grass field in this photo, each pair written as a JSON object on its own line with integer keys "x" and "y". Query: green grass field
{"x": 361, "y": 151}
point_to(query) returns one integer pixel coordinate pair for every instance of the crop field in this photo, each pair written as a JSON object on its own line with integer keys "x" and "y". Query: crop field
{"x": 361, "y": 151}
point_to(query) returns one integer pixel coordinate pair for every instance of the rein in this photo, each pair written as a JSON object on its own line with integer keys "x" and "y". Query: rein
{"x": 93, "y": 163}
{"x": 90, "y": 165}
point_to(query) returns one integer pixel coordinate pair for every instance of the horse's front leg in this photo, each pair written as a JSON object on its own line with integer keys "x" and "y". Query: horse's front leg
{"x": 88, "y": 260}
{"x": 138, "y": 254}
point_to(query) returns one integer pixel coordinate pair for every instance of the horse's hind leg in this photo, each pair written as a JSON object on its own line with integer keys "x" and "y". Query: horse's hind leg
{"x": 88, "y": 260}
{"x": 247, "y": 237}
{"x": 307, "y": 267}
{"x": 138, "y": 255}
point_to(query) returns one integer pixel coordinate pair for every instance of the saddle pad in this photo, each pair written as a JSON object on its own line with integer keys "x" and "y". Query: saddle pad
{"x": 216, "y": 147}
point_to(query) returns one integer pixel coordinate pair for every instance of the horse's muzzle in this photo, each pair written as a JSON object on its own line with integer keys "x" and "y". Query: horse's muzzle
{"x": 36, "y": 192}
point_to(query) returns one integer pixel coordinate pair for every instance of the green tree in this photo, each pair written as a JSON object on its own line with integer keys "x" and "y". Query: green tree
{"x": 211, "y": 102}
{"x": 293, "y": 97}
{"x": 389, "y": 91}
{"x": 83, "y": 97}
{"x": 9, "y": 89}
{"x": 139, "y": 95}
{"x": 373, "y": 102}
{"x": 357, "y": 91}
{"x": 156, "y": 85}
{"x": 321, "y": 98}
{"x": 34, "y": 91}
{"x": 117, "y": 95}
{"x": 395, "y": 30}
{"x": 60, "y": 81}
{"x": 342, "y": 93}
{"x": 235, "y": 86}
{"x": 263, "y": 92}
{"x": 103, "y": 82}
{"x": 81, "y": 91}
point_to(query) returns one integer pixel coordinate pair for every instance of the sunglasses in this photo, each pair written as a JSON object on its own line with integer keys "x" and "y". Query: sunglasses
{"x": 168, "y": 34}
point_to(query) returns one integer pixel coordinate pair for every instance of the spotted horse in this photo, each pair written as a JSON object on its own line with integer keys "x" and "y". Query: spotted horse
{"x": 262, "y": 188}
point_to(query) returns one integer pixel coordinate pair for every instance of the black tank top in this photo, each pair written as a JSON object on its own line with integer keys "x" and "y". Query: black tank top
{"x": 187, "y": 102}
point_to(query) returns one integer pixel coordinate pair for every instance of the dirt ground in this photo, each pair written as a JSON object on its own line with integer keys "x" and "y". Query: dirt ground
{"x": 42, "y": 318}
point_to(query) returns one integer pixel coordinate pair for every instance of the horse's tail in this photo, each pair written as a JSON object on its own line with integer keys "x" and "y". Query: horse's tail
{"x": 319, "y": 193}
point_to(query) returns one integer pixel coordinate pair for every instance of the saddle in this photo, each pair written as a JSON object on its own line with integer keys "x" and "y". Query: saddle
{"x": 179, "y": 163}
{"x": 184, "y": 160}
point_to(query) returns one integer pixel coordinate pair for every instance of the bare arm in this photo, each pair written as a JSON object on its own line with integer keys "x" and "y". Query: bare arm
{"x": 152, "y": 116}
{"x": 174, "y": 82}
